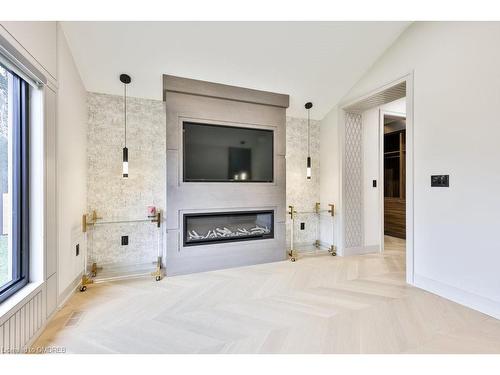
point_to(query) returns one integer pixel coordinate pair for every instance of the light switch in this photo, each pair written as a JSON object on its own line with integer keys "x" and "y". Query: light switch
{"x": 442, "y": 180}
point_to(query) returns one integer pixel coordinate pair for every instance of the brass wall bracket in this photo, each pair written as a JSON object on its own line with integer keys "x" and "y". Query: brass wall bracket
{"x": 88, "y": 220}
{"x": 331, "y": 211}
{"x": 159, "y": 272}
{"x": 84, "y": 223}
{"x": 316, "y": 244}
{"x": 317, "y": 207}
{"x": 291, "y": 212}
{"x": 157, "y": 219}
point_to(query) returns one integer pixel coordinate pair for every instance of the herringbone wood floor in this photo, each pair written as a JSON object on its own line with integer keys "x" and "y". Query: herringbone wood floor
{"x": 319, "y": 304}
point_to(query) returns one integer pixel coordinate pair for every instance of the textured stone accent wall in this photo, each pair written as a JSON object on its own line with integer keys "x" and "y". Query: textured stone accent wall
{"x": 116, "y": 198}
{"x": 300, "y": 192}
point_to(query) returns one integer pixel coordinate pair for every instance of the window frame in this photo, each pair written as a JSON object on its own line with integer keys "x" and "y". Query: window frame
{"x": 20, "y": 230}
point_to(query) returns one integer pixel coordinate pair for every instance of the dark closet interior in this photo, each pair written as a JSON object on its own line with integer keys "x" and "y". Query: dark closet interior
{"x": 394, "y": 176}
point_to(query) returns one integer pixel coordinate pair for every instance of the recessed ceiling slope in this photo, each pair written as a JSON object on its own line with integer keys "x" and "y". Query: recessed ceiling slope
{"x": 310, "y": 61}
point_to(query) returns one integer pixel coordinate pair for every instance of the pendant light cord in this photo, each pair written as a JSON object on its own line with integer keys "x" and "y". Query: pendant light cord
{"x": 308, "y": 134}
{"x": 125, "y": 111}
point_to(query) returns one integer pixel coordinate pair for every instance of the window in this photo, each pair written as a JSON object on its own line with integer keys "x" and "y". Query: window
{"x": 14, "y": 183}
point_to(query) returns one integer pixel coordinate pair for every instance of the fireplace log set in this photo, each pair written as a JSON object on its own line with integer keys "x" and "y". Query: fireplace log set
{"x": 227, "y": 233}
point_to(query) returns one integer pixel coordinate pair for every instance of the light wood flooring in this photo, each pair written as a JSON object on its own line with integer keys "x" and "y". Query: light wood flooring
{"x": 321, "y": 304}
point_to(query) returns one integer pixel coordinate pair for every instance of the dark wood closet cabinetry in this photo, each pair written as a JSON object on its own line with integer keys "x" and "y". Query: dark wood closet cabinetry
{"x": 395, "y": 184}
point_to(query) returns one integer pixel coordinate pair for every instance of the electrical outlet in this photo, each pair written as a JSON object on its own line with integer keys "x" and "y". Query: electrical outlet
{"x": 302, "y": 226}
{"x": 77, "y": 249}
{"x": 374, "y": 183}
{"x": 124, "y": 240}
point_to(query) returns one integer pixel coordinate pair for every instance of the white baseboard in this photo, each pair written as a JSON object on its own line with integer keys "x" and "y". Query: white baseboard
{"x": 361, "y": 250}
{"x": 468, "y": 299}
{"x": 68, "y": 292}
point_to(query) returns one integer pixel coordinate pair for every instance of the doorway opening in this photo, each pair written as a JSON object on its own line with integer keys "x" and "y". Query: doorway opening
{"x": 377, "y": 181}
{"x": 393, "y": 145}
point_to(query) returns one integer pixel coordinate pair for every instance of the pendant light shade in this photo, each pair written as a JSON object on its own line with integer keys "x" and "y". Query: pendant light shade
{"x": 308, "y": 106}
{"x": 125, "y": 163}
{"x": 125, "y": 79}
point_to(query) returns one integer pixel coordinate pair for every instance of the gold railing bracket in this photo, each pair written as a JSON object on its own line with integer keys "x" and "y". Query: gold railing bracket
{"x": 333, "y": 250}
{"x": 157, "y": 219}
{"x": 331, "y": 211}
{"x": 291, "y": 212}
{"x": 158, "y": 274}
{"x": 88, "y": 220}
{"x": 93, "y": 270}
{"x": 84, "y": 223}
{"x": 316, "y": 244}
{"x": 85, "y": 281}
{"x": 95, "y": 217}
{"x": 317, "y": 206}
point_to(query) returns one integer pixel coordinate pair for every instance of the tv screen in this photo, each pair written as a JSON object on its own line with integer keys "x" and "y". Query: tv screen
{"x": 217, "y": 153}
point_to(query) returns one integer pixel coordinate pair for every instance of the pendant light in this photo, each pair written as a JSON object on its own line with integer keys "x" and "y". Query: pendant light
{"x": 308, "y": 106}
{"x": 125, "y": 79}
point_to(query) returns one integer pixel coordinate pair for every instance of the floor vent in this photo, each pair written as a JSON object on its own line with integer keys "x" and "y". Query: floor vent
{"x": 74, "y": 319}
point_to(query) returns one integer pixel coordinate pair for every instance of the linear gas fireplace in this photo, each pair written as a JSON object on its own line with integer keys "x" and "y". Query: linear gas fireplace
{"x": 217, "y": 227}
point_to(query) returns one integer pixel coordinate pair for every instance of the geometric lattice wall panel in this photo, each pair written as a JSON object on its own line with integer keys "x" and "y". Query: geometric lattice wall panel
{"x": 353, "y": 192}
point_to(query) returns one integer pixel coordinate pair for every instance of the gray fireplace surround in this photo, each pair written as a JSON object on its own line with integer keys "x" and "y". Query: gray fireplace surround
{"x": 215, "y": 225}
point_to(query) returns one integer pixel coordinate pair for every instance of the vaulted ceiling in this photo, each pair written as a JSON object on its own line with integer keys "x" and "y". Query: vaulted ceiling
{"x": 310, "y": 61}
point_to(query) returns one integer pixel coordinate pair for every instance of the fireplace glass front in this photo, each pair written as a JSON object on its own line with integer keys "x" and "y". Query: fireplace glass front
{"x": 208, "y": 228}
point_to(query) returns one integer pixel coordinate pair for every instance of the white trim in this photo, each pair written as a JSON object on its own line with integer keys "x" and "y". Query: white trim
{"x": 410, "y": 172}
{"x": 361, "y": 250}
{"x": 381, "y": 179}
{"x": 468, "y": 299}
{"x": 16, "y": 62}
{"x": 349, "y": 103}
{"x": 67, "y": 293}
{"x": 51, "y": 79}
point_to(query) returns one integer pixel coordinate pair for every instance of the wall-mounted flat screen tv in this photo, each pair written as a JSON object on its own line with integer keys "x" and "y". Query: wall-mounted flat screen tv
{"x": 219, "y": 153}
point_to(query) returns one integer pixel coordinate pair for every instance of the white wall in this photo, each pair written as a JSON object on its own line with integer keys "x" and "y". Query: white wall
{"x": 38, "y": 47}
{"x": 330, "y": 176}
{"x": 38, "y": 40}
{"x": 57, "y": 176}
{"x": 456, "y": 132}
{"x": 71, "y": 165}
{"x": 371, "y": 162}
